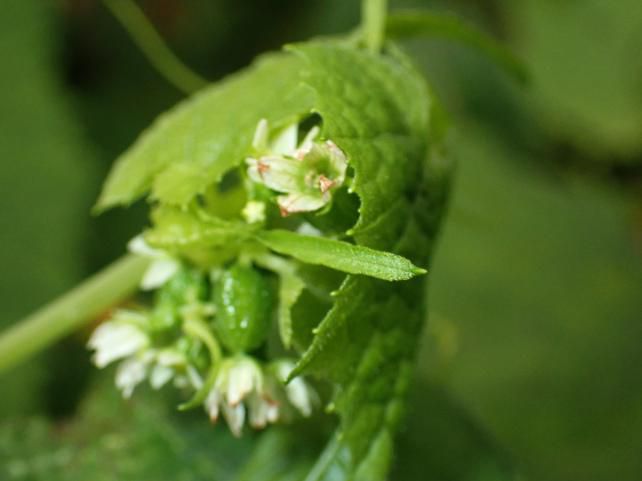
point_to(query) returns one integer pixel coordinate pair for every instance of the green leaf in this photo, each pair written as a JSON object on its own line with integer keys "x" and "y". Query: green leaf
{"x": 410, "y": 24}
{"x": 193, "y": 145}
{"x": 290, "y": 289}
{"x": 342, "y": 256}
{"x": 175, "y": 228}
{"x": 377, "y": 109}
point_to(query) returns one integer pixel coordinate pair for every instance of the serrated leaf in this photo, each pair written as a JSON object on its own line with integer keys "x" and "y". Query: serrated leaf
{"x": 189, "y": 148}
{"x": 342, "y": 256}
{"x": 377, "y": 109}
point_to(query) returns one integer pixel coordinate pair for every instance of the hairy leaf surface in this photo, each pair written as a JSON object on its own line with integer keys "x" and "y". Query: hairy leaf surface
{"x": 377, "y": 109}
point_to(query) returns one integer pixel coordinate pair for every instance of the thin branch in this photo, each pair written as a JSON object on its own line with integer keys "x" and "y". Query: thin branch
{"x": 80, "y": 305}
{"x": 153, "y": 47}
{"x": 374, "y": 23}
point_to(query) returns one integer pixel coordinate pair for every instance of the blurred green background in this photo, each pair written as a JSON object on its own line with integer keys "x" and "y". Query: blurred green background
{"x": 533, "y": 352}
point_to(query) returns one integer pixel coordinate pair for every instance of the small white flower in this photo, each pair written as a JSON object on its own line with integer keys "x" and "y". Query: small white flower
{"x": 118, "y": 338}
{"x": 168, "y": 362}
{"x": 131, "y": 372}
{"x": 162, "y": 268}
{"x": 306, "y": 174}
{"x": 125, "y": 338}
{"x": 244, "y": 392}
{"x": 239, "y": 392}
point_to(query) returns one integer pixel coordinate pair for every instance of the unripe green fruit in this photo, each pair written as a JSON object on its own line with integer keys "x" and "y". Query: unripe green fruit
{"x": 243, "y": 302}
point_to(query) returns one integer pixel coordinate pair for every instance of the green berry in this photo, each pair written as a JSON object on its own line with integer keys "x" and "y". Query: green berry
{"x": 243, "y": 301}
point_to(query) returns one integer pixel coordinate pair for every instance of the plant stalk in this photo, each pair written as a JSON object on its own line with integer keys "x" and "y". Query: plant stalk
{"x": 374, "y": 23}
{"x": 153, "y": 47}
{"x": 62, "y": 316}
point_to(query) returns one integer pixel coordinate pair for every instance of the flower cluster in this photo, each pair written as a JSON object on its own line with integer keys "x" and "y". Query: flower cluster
{"x": 126, "y": 338}
{"x": 174, "y": 343}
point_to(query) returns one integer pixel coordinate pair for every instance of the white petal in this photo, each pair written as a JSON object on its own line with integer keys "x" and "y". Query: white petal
{"x": 283, "y": 368}
{"x": 212, "y": 402}
{"x": 272, "y": 412}
{"x": 280, "y": 173}
{"x": 300, "y": 396}
{"x": 285, "y": 142}
{"x": 130, "y": 373}
{"x": 235, "y": 417}
{"x": 259, "y": 142}
{"x": 310, "y": 137}
{"x": 160, "y": 376}
{"x": 158, "y": 273}
{"x": 241, "y": 381}
{"x": 253, "y": 170}
{"x": 139, "y": 246}
{"x": 116, "y": 340}
{"x": 261, "y": 411}
{"x": 170, "y": 357}
{"x": 293, "y": 203}
{"x": 194, "y": 377}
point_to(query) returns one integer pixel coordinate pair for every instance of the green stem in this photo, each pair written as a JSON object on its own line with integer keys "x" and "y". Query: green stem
{"x": 153, "y": 47}
{"x": 202, "y": 332}
{"x": 64, "y": 315}
{"x": 374, "y": 23}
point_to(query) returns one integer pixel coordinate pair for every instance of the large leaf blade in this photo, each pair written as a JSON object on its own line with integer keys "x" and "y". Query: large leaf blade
{"x": 190, "y": 147}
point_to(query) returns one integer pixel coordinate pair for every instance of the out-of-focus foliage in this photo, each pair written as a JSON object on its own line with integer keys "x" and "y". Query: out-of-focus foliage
{"x": 111, "y": 440}
{"x": 46, "y": 178}
{"x": 585, "y": 57}
{"x": 146, "y": 439}
{"x": 535, "y": 290}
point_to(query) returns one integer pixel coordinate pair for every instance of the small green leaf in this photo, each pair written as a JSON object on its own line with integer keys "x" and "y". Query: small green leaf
{"x": 175, "y": 228}
{"x": 290, "y": 289}
{"x": 342, "y": 256}
{"x": 427, "y": 24}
